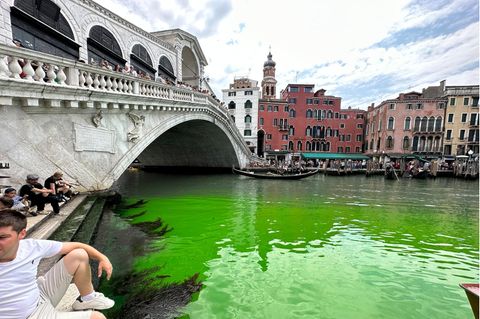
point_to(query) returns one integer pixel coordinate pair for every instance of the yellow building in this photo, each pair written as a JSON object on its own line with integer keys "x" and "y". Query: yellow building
{"x": 461, "y": 120}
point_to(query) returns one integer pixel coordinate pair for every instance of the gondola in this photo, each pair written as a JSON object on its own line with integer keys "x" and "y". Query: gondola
{"x": 270, "y": 175}
{"x": 472, "y": 291}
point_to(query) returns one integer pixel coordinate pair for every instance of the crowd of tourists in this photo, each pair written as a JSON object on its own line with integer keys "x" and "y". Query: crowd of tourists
{"x": 32, "y": 197}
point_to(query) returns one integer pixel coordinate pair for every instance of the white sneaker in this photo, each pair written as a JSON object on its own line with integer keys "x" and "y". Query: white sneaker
{"x": 99, "y": 302}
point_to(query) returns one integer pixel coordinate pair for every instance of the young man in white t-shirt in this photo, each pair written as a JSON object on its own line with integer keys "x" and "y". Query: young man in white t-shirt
{"x": 23, "y": 295}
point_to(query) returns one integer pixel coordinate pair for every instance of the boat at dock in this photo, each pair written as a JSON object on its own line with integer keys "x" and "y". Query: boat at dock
{"x": 272, "y": 175}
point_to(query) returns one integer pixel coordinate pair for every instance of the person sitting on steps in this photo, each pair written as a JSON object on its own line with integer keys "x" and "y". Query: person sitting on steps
{"x": 39, "y": 195}
{"x": 25, "y": 296}
{"x": 59, "y": 187}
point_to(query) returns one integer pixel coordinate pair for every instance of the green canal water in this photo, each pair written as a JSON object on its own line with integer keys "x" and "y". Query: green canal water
{"x": 322, "y": 247}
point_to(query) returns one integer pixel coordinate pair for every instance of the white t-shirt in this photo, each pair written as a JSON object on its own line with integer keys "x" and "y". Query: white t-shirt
{"x": 19, "y": 294}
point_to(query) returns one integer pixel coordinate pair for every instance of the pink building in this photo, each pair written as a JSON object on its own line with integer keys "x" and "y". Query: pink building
{"x": 410, "y": 124}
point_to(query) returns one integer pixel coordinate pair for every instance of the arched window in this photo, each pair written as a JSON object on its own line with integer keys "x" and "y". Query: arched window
{"x": 407, "y": 123}
{"x": 436, "y": 145}
{"x": 308, "y": 131}
{"x": 290, "y": 146}
{"x": 248, "y": 119}
{"x": 322, "y": 131}
{"x": 328, "y": 132}
{"x": 41, "y": 26}
{"x": 406, "y": 143}
{"x": 292, "y": 113}
{"x": 140, "y": 59}
{"x": 299, "y": 145}
{"x": 416, "y": 126}
{"x": 309, "y": 114}
{"x": 165, "y": 68}
{"x": 371, "y": 144}
{"x": 379, "y": 143}
{"x": 431, "y": 124}
{"x": 327, "y": 147}
{"x": 323, "y": 114}
{"x": 423, "y": 124}
{"x": 102, "y": 45}
{"x": 330, "y": 114}
{"x": 391, "y": 123}
{"x": 308, "y": 146}
{"x": 261, "y": 121}
{"x": 291, "y": 130}
{"x": 315, "y": 114}
{"x": 248, "y": 104}
{"x": 429, "y": 145}
{"x": 231, "y": 105}
{"x": 421, "y": 147}
{"x": 438, "y": 124}
{"x": 389, "y": 142}
{"x": 415, "y": 144}
{"x": 317, "y": 146}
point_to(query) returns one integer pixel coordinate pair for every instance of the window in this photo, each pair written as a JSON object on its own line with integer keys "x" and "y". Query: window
{"x": 262, "y": 121}
{"x": 293, "y": 89}
{"x": 285, "y": 137}
{"x": 308, "y": 131}
{"x": 391, "y": 123}
{"x": 231, "y": 105}
{"x": 309, "y": 101}
{"x": 406, "y": 143}
{"x": 440, "y": 105}
{"x": 336, "y": 115}
{"x": 299, "y": 146}
{"x": 466, "y": 100}
{"x": 248, "y": 119}
{"x": 423, "y": 124}
{"x": 450, "y": 118}
{"x": 308, "y": 89}
{"x": 269, "y": 108}
{"x": 359, "y": 116}
{"x": 357, "y": 149}
{"x": 275, "y": 108}
{"x": 309, "y": 114}
{"x": 359, "y": 137}
{"x": 232, "y": 93}
{"x": 409, "y": 106}
{"x": 290, "y": 146}
{"x": 269, "y": 136}
{"x": 419, "y": 106}
{"x": 473, "y": 135}
{"x": 438, "y": 124}
{"x": 292, "y": 113}
{"x": 348, "y": 137}
{"x": 341, "y": 138}
{"x": 473, "y": 119}
{"x": 262, "y": 107}
{"x": 389, "y": 142}
{"x": 291, "y": 131}
{"x": 359, "y": 125}
{"x": 464, "y": 118}
{"x": 285, "y": 108}
{"x": 275, "y": 122}
{"x": 452, "y": 101}
{"x": 248, "y": 104}
{"x": 379, "y": 125}
{"x": 475, "y": 101}
{"x": 461, "y": 135}
{"x": 247, "y": 133}
{"x": 347, "y": 149}
{"x": 340, "y": 149}
{"x": 316, "y": 101}
{"x": 407, "y": 123}
{"x": 248, "y": 92}
{"x": 342, "y": 125}
{"x": 292, "y": 100}
{"x": 431, "y": 124}
{"x": 391, "y": 106}
{"x": 329, "y": 114}
{"x": 449, "y": 135}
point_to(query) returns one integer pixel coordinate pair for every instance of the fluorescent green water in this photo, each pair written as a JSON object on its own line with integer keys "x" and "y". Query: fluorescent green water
{"x": 323, "y": 247}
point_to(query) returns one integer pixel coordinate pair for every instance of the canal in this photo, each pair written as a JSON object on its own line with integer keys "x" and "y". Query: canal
{"x": 322, "y": 247}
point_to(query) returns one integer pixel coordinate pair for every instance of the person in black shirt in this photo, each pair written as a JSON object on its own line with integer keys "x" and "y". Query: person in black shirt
{"x": 39, "y": 195}
{"x": 58, "y": 186}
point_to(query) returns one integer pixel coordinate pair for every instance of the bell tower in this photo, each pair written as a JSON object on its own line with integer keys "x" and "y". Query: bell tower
{"x": 269, "y": 84}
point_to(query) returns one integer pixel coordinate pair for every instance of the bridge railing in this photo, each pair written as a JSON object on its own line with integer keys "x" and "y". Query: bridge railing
{"x": 39, "y": 67}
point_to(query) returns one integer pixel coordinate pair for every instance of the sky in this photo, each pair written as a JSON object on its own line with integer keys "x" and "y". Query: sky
{"x": 364, "y": 51}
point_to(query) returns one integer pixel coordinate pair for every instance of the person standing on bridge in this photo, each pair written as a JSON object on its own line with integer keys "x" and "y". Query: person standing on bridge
{"x": 25, "y": 296}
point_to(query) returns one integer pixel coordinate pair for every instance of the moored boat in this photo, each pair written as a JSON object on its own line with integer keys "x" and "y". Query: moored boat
{"x": 270, "y": 175}
{"x": 472, "y": 291}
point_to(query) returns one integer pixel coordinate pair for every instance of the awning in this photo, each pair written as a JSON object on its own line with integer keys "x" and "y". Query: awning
{"x": 334, "y": 156}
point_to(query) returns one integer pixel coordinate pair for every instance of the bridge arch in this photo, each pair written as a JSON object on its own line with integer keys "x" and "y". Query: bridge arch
{"x": 170, "y": 135}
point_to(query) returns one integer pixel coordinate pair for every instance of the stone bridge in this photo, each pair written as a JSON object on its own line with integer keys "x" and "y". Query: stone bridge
{"x": 92, "y": 123}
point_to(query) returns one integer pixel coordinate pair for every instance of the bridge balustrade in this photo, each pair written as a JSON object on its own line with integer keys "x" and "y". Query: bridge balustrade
{"x": 27, "y": 65}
